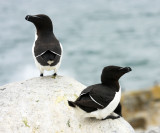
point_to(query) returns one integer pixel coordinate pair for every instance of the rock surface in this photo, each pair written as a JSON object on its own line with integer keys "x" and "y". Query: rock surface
{"x": 39, "y": 105}
{"x": 142, "y": 108}
{"x": 150, "y": 130}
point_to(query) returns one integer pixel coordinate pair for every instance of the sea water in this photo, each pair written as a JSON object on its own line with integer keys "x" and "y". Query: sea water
{"x": 94, "y": 34}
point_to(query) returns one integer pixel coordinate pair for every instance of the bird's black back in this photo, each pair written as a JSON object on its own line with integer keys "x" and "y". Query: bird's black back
{"x": 47, "y": 43}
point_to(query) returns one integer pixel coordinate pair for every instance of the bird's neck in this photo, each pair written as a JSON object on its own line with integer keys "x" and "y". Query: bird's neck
{"x": 44, "y": 33}
{"x": 113, "y": 84}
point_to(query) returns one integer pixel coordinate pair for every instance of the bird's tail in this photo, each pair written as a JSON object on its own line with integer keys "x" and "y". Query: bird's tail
{"x": 49, "y": 57}
{"x": 72, "y": 104}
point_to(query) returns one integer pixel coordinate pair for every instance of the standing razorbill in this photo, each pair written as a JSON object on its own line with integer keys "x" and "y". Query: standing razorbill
{"x": 47, "y": 51}
{"x": 101, "y": 100}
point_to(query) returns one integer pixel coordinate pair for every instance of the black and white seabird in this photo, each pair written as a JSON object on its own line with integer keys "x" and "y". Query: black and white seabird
{"x": 47, "y": 51}
{"x": 101, "y": 100}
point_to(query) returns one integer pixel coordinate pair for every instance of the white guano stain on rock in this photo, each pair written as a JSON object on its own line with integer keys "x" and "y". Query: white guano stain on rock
{"x": 39, "y": 105}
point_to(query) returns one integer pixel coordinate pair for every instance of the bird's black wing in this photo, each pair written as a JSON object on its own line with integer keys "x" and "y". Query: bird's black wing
{"x": 87, "y": 104}
{"x": 87, "y": 90}
{"x": 94, "y": 97}
{"x": 102, "y": 94}
{"x": 47, "y": 56}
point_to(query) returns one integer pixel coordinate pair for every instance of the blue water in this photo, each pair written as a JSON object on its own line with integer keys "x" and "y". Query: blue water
{"x": 93, "y": 33}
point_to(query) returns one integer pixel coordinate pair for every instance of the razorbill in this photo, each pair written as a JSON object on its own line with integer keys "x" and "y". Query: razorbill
{"x": 47, "y": 50}
{"x": 101, "y": 100}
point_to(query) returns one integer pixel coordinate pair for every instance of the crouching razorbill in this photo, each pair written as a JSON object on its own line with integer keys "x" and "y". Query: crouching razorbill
{"x": 101, "y": 100}
{"x": 47, "y": 51}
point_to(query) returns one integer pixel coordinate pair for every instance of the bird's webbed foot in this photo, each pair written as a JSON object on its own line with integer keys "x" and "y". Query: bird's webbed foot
{"x": 54, "y": 75}
{"x": 111, "y": 117}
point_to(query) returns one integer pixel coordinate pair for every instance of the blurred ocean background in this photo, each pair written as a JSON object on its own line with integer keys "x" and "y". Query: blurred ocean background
{"x": 93, "y": 33}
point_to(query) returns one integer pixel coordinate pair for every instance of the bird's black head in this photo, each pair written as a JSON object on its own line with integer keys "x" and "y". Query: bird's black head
{"x": 113, "y": 73}
{"x": 41, "y": 21}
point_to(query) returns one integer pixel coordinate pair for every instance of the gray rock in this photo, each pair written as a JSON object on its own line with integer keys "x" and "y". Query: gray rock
{"x": 150, "y": 130}
{"x": 39, "y": 105}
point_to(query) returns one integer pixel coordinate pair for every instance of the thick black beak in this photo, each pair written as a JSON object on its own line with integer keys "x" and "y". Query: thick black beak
{"x": 28, "y": 17}
{"x": 125, "y": 69}
{"x": 32, "y": 18}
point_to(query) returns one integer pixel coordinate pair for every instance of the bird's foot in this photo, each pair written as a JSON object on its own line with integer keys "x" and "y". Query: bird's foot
{"x": 41, "y": 75}
{"x": 111, "y": 117}
{"x": 54, "y": 75}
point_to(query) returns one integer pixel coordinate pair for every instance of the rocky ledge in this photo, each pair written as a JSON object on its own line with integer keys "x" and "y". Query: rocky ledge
{"x": 142, "y": 108}
{"x": 39, "y": 105}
